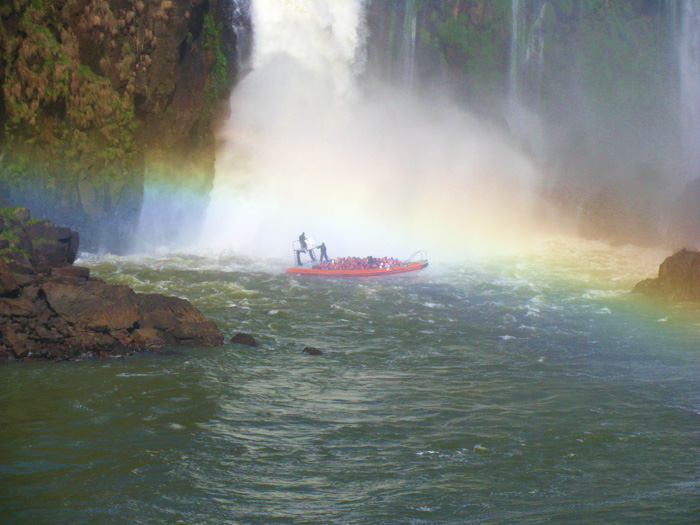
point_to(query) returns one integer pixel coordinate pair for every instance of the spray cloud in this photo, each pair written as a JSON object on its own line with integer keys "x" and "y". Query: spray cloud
{"x": 382, "y": 174}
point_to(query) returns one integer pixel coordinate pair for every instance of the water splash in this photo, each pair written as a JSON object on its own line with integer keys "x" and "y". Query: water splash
{"x": 384, "y": 175}
{"x": 323, "y": 38}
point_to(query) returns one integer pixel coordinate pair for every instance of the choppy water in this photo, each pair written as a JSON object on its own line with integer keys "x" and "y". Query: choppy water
{"x": 517, "y": 389}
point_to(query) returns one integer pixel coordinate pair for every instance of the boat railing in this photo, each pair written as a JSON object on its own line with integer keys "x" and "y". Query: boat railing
{"x": 297, "y": 252}
{"x": 417, "y": 256}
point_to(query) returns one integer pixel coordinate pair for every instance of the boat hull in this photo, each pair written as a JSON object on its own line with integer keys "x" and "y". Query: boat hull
{"x": 373, "y": 272}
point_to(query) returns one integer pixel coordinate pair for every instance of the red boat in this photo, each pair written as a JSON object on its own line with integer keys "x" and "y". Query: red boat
{"x": 354, "y": 266}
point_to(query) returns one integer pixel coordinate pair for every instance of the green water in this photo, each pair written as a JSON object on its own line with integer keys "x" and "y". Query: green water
{"x": 505, "y": 390}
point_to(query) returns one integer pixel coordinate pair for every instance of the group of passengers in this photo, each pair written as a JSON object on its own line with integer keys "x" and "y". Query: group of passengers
{"x": 308, "y": 245}
{"x": 357, "y": 263}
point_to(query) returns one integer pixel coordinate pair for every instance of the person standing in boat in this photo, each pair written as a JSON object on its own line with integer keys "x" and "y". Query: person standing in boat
{"x": 302, "y": 248}
{"x": 324, "y": 255}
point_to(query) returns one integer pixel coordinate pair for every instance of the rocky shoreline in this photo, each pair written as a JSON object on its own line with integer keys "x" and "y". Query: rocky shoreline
{"x": 52, "y": 309}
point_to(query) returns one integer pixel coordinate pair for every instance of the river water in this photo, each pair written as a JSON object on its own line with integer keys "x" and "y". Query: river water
{"x": 494, "y": 390}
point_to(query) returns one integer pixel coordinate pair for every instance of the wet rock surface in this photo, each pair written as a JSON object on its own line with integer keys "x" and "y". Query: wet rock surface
{"x": 244, "y": 339}
{"x": 678, "y": 280}
{"x": 51, "y": 309}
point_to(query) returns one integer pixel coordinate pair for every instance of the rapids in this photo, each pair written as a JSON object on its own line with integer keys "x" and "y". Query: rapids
{"x": 525, "y": 387}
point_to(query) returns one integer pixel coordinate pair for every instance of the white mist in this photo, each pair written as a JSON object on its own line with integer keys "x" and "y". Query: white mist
{"x": 380, "y": 175}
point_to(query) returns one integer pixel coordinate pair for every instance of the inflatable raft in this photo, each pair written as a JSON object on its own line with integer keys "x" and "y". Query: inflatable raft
{"x": 355, "y": 266}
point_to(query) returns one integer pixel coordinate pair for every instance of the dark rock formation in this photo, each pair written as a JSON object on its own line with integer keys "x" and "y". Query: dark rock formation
{"x": 244, "y": 339}
{"x": 310, "y": 350}
{"x": 678, "y": 280}
{"x": 50, "y": 309}
{"x": 100, "y": 98}
{"x": 28, "y": 245}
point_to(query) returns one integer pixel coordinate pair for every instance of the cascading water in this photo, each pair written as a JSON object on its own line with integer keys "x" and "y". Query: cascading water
{"x": 672, "y": 15}
{"x": 534, "y": 55}
{"x": 689, "y": 66}
{"x": 525, "y": 75}
{"x": 306, "y": 56}
{"x": 515, "y": 31}
{"x": 526, "y": 51}
{"x": 410, "y": 27}
{"x": 242, "y": 28}
{"x": 303, "y": 151}
{"x": 392, "y": 43}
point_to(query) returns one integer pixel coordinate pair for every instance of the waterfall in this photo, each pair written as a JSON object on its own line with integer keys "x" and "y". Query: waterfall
{"x": 515, "y": 29}
{"x": 306, "y": 58}
{"x": 382, "y": 172}
{"x": 672, "y": 15}
{"x": 241, "y": 26}
{"x": 689, "y": 66}
{"x": 409, "y": 40}
{"x": 526, "y": 51}
{"x": 525, "y": 75}
{"x": 175, "y": 195}
{"x": 323, "y": 38}
{"x": 534, "y": 56}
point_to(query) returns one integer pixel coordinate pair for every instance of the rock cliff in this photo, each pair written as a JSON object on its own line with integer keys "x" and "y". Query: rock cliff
{"x": 100, "y": 97}
{"x": 678, "y": 280}
{"x": 589, "y": 90}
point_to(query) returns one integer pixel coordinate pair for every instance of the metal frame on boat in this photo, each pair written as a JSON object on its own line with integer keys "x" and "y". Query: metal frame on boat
{"x": 307, "y": 264}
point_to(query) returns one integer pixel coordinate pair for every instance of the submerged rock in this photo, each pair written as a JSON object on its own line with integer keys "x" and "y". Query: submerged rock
{"x": 679, "y": 278}
{"x": 50, "y": 309}
{"x": 171, "y": 353}
{"x": 244, "y": 339}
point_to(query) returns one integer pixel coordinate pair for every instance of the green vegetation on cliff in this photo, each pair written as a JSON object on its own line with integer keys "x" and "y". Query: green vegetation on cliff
{"x": 94, "y": 90}
{"x": 622, "y": 53}
{"x": 212, "y": 40}
{"x": 60, "y": 110}
{"x": 616, "y": 55}
{"x": 474, "y": 40}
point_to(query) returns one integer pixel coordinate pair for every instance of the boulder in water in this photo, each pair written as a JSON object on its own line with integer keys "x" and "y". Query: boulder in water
{"x": 244, "y": 339}
{"x": 310, "y": 350}
{"x": 678, "y": 280}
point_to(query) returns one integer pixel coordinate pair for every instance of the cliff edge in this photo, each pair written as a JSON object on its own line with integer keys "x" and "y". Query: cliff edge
{"x": 102, "y": 98}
